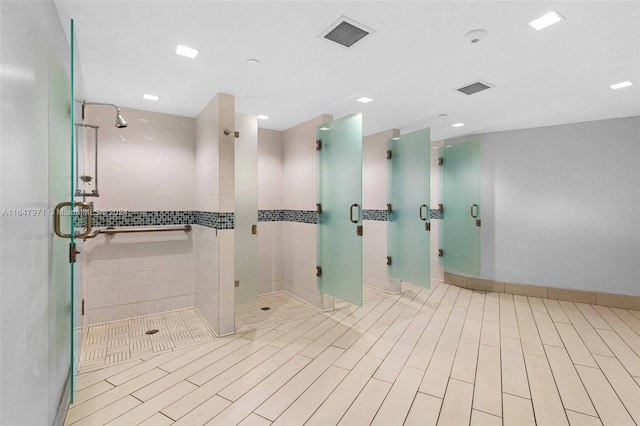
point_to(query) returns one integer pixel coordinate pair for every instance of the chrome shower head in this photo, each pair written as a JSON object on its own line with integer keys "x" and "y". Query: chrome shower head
{"x": 120, "y": 122}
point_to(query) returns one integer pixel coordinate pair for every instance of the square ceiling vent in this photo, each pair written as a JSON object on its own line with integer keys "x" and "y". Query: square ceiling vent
{"x": 475, "y": 87}
{"x": 346, "y": 32}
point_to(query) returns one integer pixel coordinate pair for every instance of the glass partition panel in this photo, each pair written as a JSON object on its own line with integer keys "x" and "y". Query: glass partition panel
{"x": 246, "y": 208}
{"x": 460, "y": 231}
{"x": 78, "y": 218}
{"x": 409, "y": 219}
{"x": 340, "y": 199}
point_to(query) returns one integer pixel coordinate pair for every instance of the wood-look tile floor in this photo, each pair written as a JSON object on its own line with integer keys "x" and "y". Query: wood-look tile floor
{"x": 445, "y": 356}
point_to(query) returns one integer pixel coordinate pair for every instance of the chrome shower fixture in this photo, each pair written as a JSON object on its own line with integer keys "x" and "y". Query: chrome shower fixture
{"x": 120, "y": 122}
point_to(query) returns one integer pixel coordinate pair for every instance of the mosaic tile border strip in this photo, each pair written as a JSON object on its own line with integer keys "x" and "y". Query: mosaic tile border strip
{"x": 380, "y": 215}
{"x": 218, "y": 220}
{"x": 383, "y": 215}
{"x": 300, "y": 216}
{"x": 142, "y": 218}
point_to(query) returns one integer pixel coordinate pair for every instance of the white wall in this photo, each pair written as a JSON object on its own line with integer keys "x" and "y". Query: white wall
{"x": 34, "y": 303}
{"x": 270, "y": 197}
{"x": 214, "y": 267}
{"x": 129, "y": 275}
{"x": 300, "y": 194}
{"x": 153, "y": 168}
{"x": 147, "y": 166}
{"x": 561, "y": 206}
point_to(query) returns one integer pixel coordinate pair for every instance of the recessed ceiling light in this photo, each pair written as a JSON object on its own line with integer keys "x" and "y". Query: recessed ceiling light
{"x": 263, "y": 117}
{"x": 364, "y": 100}
{"x": 550, "y": 18}
{"x": 621, "y": 85}
{"x": 324, "y": 129}
{"x": 186, "y": 51}
{"x": 150, "y": 97}
{"x": 457, "y": 125}
{"x": 252, "y": 61}
{"x": 149, "y": 138}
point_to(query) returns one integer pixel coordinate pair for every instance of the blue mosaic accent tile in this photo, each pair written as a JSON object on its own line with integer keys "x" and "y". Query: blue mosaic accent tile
{"x": 301, "y": 216}
{"x": 435, "y": 214}
{"x": 208, "y": 219}
{"x": 225, "y": 220}
{"x": 142, "y": 218}
{"x": 269, "y": 215}
{"x": 370, "y": 214}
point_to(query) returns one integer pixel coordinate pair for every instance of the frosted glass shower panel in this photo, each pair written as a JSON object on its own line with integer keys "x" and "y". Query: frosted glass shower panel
{"x": 246, "y": 208}
{"x": 460, "y": 232}
{"x": 340, "y": 201}
{"x": 409, "y": 219}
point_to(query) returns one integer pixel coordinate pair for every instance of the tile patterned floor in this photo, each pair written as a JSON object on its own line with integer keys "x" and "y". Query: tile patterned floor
{"x": 284, "y": 307}
{"x": 124, "y": 340}
{"x": 446, "y": 356}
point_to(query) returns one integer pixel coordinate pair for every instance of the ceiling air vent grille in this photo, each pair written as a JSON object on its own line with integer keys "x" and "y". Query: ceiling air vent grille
{"x": 475, "y": 87}
{"x": 346, "y": 32}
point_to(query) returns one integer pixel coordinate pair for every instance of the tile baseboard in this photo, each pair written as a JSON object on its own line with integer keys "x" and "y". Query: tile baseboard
{"x": 625, "y": 301}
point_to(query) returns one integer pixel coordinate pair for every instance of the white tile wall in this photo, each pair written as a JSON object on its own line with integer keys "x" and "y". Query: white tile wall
{"x": 206, "y": 273}
{"x": 299, "y": 193}
{"x": 132, "y": 275}
{"x": 300, "y": 165}
{"x": 270, "y": 257}
{"x": 149, "y": 165}
{"x": 270, "y": 197}
{"x": 300, "y": 264}
{"x": 270, "y": 169}
{"x": 374, "y": 257}
{"x": 214, "y": 176}
{"x": 374, "y": 169}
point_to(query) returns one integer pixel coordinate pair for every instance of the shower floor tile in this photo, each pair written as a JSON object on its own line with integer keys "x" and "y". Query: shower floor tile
{"x": 124, "y": 340}
{"x": 284, "y": 307}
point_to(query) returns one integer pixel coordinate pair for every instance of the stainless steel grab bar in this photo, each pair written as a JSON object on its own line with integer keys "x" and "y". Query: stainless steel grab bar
{"x": 112, "y": 231}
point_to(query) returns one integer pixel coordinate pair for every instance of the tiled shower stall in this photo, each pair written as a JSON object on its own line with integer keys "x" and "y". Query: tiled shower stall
{"x": 170, "y": 170}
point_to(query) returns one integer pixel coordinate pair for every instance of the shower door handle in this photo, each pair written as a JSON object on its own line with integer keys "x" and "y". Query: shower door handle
{"x": 423, "y": 218}
{"x": 89, "y": 219}
{"x": 474, "y": 215}
{"x": 351, "y": 213}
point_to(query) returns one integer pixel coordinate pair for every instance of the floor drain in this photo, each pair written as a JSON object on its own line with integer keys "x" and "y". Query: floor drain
{"x": 266, "y": 308}
{"x": 154, "y": 331}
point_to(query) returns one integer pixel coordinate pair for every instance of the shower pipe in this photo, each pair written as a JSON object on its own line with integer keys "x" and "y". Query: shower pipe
{"x": 111, "y": 230}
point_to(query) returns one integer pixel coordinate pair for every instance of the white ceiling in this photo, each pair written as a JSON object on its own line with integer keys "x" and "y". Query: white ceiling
{"x": 411, "y": 66}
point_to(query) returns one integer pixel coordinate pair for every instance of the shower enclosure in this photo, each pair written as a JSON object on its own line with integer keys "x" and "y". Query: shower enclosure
{"x": 339, "y": 209}
{"x": 409, "y": 225}
{"x": 460, "y": 231}
{"x": 71, "y": 220}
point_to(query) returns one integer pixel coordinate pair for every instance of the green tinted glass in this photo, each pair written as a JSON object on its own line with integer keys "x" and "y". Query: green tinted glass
{"x": 409, "y": 219}
{"x": 340, "y": 196}
{"x": 460, "y": 234}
